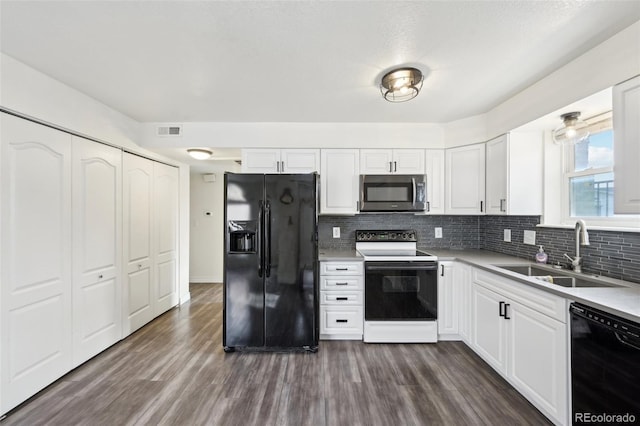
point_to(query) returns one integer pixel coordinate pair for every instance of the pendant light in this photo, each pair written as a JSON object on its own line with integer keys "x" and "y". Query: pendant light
{"x": 401, "y": 84}
{"x": 200, "y": 153}
{"x": 572, "y": 131}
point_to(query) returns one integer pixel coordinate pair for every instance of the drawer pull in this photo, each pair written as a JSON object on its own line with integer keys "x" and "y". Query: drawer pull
{"x": 342, "y": 269}
{"x": 342, "y": 298}
{"x": 342, "y": 320}
{"x": 342, "y": 283}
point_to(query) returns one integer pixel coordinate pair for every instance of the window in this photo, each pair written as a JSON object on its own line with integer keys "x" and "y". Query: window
{"x": 591, "y": 176}
{"x": 589, "y": 181}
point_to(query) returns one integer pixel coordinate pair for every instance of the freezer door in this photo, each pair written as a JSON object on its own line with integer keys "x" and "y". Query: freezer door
{"x": 243, "y": 284}
{"x": 290, "y": 261}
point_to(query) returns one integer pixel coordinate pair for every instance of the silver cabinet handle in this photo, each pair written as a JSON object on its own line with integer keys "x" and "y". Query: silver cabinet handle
{"x": 503, "y": 201}
{"x": 428, "y": 206}
{"x": 278, "y": 166}
{"x": 342, "y": 320}
{"x": 395, "y": 166}
{"x": 342, "y": 283}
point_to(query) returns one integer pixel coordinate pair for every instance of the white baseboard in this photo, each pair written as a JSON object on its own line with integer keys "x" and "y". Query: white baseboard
{"x": 208, "y": 279}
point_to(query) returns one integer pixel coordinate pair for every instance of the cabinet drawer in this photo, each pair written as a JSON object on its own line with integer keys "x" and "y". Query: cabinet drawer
{"x": 341, "y": 268}
{"x": 339, "y": 319}
{"x": 340, "y": 283}
{"x": 341, "y": 298}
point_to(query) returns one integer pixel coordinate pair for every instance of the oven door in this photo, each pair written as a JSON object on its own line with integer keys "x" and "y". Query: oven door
{"x": 401, "y": 291}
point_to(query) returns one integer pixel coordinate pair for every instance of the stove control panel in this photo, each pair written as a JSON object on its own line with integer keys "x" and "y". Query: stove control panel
{"x": 387, "y": 235}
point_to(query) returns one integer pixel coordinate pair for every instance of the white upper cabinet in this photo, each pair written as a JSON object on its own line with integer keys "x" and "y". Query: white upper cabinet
{"x": 465, "y": 171}
{"x": 97, "y": 248}
{"x": 339, "y": 181}
{"x": 280, "y": 160}
{"x": 35, "y": 296}
{"x": 434, "y": 170}
{"x": 626, "y": 140}
{"x": 514, "y": 174}
{"x": 392, "y": 161}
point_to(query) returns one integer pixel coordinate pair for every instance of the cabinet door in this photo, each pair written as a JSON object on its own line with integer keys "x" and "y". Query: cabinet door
{"x": 489, "y": 334}
{"x": 538, "y": 359}
{"x": 260, "y": 161}
{"x": 434, "y": 168}
{"x": 376, "y": 161}
{"x": 97, "y": 248}
{"x": 165, "y": 238}
{"x": 137, "y": 207}
{"x": 408, "y": 161}
{"x": 462, "y": 276}
{"x": 626, "y": 126}
{"x": 448, "y": 304}
{"x": 339, "y": 181}
{"x": 497, "y": 151}
{"x": 465, "y": 180}
{"x": 300, "y": 160}
{"x": 36, "y": 337}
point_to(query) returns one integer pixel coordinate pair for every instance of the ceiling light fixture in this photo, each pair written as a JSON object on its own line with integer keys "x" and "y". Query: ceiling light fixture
{"x": 200, "y": 153}
{"x": 401, "y": 84}
{"x": 572, "y": 131}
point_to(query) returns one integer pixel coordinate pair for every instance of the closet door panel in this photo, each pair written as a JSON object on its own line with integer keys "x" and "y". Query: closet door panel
{"x": 35, "y": 320}
{"x": 166, "y": 236}
{"x": 97, "y": 242}
{"x": 137, "y": 212}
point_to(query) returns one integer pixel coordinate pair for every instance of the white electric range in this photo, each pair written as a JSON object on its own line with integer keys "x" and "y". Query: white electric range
{"x": 401, "y": 288}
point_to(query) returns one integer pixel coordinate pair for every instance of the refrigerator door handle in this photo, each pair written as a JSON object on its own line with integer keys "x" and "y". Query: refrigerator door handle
{"x": 259, "y": 240}
{"x": 267, "y": 238}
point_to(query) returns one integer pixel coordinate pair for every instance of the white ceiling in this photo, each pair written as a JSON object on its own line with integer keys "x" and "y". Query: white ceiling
{"x": 302, "y": 61}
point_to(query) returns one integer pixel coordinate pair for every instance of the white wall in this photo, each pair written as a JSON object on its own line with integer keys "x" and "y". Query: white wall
{"x": 299, "y": 135}
{"x": 207, "y": 232}
{"x": 36, "y": 95}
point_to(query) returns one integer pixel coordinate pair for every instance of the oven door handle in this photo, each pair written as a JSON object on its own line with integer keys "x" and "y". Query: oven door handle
{"x": 404, "y": 267}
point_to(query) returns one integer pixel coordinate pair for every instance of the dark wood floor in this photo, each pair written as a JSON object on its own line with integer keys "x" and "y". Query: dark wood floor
{"x": 174, "y": 371}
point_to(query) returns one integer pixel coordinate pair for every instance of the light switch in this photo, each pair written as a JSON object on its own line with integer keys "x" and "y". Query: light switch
{"x": 336, "y": 232}
{"x": 438, "y": 232}
{"x": 507, "y": 235}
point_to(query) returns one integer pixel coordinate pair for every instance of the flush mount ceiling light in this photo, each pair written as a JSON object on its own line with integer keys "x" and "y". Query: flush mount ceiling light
{"x": 573, "y": 130}
{"x": 199, "y": 153}
{"x": 401, "y": 84}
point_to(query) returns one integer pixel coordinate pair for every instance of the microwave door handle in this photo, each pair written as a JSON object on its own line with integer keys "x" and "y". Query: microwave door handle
{"x": 413, "y": 182}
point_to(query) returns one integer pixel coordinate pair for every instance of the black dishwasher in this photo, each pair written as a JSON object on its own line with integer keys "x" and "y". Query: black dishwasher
{"x": 605, "y": 367}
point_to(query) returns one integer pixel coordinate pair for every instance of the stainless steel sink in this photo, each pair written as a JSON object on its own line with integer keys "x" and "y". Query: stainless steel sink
{"x": 557, "y": 276}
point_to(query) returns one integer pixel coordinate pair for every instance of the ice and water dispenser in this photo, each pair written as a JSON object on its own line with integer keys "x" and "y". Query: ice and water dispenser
{"x": 242, "y": 236}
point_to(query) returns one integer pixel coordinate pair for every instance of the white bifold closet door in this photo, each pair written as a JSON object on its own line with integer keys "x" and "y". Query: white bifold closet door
{"x": 97, "y": 248}
{"x": 150, "y": 239}
{"x": 36, "y": 315}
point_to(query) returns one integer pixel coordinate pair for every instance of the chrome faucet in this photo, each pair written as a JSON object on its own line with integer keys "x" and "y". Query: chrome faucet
{"x": 582, "y": 238}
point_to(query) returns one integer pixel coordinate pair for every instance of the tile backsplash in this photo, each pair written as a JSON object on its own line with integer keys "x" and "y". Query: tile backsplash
{"x": 612, "y": 254}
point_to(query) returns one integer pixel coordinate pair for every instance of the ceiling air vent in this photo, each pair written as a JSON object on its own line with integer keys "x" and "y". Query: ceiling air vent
{"x": 170, "y": 131}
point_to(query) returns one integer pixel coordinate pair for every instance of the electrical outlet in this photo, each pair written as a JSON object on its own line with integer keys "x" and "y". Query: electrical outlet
{"x": 507, "y": 235}
{"x": 438, "y": 232}
{"x": 336, "y": 232}
{"x": 529, "y": 238}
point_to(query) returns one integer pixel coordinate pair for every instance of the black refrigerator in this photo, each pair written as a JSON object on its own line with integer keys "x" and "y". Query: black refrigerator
{"x": 270, "y": 262}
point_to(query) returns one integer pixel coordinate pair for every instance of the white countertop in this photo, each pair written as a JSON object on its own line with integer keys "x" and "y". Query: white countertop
{"x": 620, "y": 301}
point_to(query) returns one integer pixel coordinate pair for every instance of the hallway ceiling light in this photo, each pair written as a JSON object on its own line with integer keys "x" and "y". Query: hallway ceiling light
{"x": 200, "y": 153}
{"x": 401, "y": 84}
{"x": 573, "y": 130}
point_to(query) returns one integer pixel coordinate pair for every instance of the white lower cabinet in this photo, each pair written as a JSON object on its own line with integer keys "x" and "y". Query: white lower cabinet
{"x": 341, "y": 300}
{"x": 522, "y": 333}
{"x": 448, "y": 302}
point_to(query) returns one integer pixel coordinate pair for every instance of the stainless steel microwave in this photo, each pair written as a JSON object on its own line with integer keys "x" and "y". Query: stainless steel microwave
{"x": 393, "y": 193}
